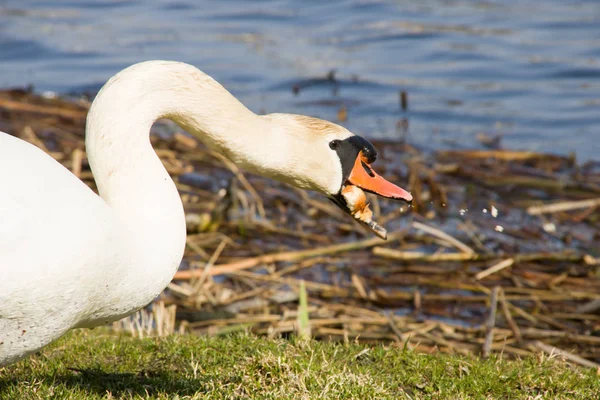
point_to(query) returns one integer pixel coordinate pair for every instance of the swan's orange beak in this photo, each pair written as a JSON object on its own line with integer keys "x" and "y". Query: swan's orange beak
{"x": 364, "y": 177}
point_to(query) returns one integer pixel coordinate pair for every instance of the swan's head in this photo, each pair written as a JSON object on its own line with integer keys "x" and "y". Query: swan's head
{"x": 326, "y": 157}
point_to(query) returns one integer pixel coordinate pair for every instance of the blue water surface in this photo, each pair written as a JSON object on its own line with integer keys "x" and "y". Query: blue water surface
{"x": 528, "y": 70}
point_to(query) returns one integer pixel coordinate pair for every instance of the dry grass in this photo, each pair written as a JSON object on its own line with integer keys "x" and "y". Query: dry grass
{"x": 522, "y": 225}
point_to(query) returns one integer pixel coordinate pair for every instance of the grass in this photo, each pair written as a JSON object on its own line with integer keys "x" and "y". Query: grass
{"x": 100, "y": 364}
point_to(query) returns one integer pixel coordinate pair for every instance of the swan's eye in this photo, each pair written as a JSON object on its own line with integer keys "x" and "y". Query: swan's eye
{"x": 369, "y": 153}
{"x": 334, "y": 144}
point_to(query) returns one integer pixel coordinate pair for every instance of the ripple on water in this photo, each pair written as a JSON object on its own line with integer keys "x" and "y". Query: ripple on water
{"x": 515, "y": 68}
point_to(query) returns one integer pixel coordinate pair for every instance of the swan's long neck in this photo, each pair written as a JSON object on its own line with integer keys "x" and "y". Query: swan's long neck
{"x": 276, "y": 146}
{"x": 124, "y": 165}
{"x": 131, "y": 178}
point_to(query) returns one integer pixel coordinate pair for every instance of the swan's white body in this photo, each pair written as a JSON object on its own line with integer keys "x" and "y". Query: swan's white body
{"x": 70, "y": 258}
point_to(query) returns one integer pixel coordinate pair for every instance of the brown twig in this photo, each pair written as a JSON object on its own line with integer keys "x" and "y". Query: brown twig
{"x": 565, "y": 354}
{"x": 444, "y": 236}
{"x": 509, "y": 319}
{"x": 563, "y": 206}
{"x": 495, "y": 268}
{"x": 291, "y": 256}
{"x": 491, "y": 322}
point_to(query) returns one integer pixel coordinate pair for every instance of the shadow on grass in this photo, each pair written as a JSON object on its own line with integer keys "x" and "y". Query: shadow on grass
{"x": 144, "y": 383}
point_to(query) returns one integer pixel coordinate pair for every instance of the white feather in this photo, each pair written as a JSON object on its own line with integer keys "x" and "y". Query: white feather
{"x": 70, "y": 258}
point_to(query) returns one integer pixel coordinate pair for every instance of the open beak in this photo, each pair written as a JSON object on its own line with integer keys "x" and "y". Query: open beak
{"x": 353, "y": 201}
{"x": 364, "y": 177}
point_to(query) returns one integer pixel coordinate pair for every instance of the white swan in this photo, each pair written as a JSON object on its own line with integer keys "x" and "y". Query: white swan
{"x": 70, "y": 258}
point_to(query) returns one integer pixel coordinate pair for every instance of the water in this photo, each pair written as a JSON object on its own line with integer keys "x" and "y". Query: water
{"x": 526, "y": 69}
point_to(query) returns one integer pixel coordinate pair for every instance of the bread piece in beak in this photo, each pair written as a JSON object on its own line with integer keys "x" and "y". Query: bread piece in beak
{"x": 357, "y": 206}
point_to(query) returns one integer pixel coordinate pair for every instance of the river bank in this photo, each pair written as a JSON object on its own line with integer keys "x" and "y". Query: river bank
{"x": 497, "y": 255}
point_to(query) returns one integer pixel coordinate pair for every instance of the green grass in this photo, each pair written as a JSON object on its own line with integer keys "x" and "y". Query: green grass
{"x": 97, "y": 364}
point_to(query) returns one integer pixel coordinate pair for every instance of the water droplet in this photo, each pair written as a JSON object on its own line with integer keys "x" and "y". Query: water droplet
{"x": 499, "y": 228}
{"x": 494, "y": 212}
{"x": 484, "y": 211}
{"x": 463, "y": 211}
{"x": 549, "y": 227}
{"x": 49, "y": 95}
